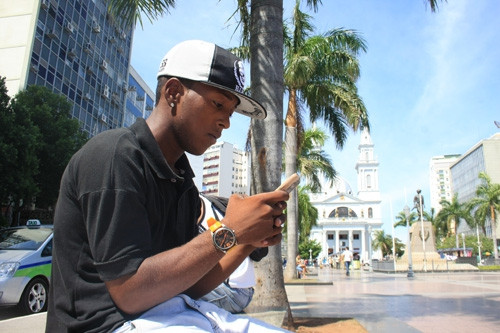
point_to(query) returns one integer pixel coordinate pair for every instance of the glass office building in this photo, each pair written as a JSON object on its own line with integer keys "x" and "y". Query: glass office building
{"x": 482, "y": 157}
{"x": 72, "y": 47}
{"x": 140, "y": 99}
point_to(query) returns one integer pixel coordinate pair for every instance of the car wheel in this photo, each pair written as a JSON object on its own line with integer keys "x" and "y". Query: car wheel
{"x": 34, "y": 297}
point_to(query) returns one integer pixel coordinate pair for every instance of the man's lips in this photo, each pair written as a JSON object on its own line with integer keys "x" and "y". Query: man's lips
{"x": 216, "y": 136}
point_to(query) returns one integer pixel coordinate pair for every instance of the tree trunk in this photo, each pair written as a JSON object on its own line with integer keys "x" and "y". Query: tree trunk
{"x": 494, "y": 232}
{"x": 266, "y": 72}
{"x": 292, "y": 206}
{"x": 290, "y": 168}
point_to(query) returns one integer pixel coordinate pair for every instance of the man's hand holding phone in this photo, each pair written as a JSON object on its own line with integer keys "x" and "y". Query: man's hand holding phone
{"x": 290, "y": 183}
{"x": 288, "y": 186}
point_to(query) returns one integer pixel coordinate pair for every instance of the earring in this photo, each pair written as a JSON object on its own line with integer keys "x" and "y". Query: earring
{"x": 172, "y": 104}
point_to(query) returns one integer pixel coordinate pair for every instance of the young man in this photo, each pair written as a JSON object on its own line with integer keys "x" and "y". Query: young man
{"x": 127, "y": 254}
{"x": 347, "y": 258}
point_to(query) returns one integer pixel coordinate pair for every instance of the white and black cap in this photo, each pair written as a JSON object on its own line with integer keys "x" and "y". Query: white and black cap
{"x": 208, "y": 63}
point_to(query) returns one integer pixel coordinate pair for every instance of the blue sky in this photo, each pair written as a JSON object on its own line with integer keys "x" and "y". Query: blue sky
{"x": 430, "y": 81}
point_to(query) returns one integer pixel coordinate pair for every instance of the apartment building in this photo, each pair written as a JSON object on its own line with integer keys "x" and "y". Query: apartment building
{"x": 225, "y": 170}
{"x": 440, "y": 187}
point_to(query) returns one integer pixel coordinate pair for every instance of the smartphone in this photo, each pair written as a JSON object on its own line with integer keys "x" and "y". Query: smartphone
{"x": 290, "y": 183}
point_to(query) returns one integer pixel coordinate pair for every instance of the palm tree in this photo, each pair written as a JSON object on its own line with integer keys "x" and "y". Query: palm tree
{"x": 401, "y": 219}
{"x": 320, "y": 74}
{"x": 487, "y": 203}
{"x": 479, "y": 217}
{"x": 433, "y": 4}
{"x": 262, "y": 30}
{"x": 308, "y": 214}
{"x": 451, "y": 213}
{"x": 382, "y": 242}
{"x": 129, "y": 12}
{"x": 312, "y": 160}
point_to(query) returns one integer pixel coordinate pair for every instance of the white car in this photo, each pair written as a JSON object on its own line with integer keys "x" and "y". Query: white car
{"x": 25, "y": 266}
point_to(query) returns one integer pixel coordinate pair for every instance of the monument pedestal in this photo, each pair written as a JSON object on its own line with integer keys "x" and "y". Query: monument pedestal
{"x": 420, "y": 235}
{"x": 429, "y": 260}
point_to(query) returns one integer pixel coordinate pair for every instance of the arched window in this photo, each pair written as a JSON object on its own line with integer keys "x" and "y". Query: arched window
{"x": 368, "y": 181}
{"x": 370, "y": 213}
{"x": 342, "y": 212}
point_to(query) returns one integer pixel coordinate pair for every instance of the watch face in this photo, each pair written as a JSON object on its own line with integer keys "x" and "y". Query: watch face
{"x": 224, "y": 238}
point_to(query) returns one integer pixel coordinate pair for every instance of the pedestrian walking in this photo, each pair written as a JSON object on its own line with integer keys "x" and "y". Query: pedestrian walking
{"x": 347, "y": 258}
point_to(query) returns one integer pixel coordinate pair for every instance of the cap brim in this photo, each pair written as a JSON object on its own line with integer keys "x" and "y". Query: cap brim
{"x": 247, "y": 106}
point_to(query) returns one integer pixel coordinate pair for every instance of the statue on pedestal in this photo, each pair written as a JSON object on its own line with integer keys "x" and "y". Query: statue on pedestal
{"x": 418, "y": 202}
{"x": 418, "y": 237}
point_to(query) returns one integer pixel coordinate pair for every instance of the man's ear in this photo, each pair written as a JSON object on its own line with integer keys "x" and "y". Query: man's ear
{"x": 172, "y": 90}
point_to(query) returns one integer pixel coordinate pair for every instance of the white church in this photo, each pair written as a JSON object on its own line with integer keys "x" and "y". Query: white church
{"x": 348, "y": 219}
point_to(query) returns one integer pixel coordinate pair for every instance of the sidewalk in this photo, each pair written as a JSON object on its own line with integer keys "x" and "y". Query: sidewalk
{"x": 430, "y": 302}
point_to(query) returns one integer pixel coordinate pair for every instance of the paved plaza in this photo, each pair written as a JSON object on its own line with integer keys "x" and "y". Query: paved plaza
{"x": 381, "y": 302}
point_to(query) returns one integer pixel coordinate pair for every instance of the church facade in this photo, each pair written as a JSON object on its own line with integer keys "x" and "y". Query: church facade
{"x": 348, "y": 219}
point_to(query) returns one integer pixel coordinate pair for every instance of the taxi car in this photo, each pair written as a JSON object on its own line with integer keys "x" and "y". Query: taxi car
{"x": 25, "y": 266}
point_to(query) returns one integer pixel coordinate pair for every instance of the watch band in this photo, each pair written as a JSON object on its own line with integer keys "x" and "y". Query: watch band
{"x": 220, "y": 234}
{"x": 213, "y": 224}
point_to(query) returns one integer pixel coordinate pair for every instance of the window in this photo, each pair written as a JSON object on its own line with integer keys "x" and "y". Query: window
{"x": 342, "y": 212}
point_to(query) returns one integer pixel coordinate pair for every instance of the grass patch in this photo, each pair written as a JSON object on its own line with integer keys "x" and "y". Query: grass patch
{"x": 489, "y": 268}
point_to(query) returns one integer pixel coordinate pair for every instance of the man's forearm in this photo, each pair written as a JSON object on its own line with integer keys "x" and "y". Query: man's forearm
{"x": 165, "y": 275}
{"x": 221, "y": 271}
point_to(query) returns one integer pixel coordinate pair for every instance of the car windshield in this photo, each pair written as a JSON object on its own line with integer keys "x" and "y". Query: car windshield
{"x": 23, "y": 238}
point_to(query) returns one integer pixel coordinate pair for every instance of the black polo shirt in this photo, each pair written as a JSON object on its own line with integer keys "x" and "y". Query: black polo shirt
{"x": 119, "y": 204}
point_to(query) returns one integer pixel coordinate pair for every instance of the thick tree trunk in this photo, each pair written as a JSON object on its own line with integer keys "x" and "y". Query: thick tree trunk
{"x": 266, "y": 70}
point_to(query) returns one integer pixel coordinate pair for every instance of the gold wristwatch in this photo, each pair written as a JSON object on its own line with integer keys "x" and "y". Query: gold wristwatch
{"x": 223, "y": 237}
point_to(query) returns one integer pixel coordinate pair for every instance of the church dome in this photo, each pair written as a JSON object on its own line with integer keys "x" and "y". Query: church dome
{"x": 340, "y": 185}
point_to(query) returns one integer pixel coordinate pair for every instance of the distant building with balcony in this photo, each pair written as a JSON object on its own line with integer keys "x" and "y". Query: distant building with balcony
{"x": 225, "y": 170}
{"x": 345, "y": 218}
{"x": 440, "y": 186}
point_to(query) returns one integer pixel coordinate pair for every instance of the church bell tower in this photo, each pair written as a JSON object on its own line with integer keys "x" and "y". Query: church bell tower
{"x": 367, "y": 169}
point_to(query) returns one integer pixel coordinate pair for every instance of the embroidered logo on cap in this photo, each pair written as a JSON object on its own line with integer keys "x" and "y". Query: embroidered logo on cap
{"x": 239, "y": 74}
{"x": 163, "y": 64}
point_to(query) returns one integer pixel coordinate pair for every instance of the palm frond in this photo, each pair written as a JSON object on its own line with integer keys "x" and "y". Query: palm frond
{"x": 128, "y": 12}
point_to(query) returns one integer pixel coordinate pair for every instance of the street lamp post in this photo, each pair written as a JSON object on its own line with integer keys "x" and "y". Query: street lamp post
{"x": 421, "y": 212}
{"x": 408, "y": 243}
{"x": 310, "y": 257}
{"x": 370, "y": 248}
{"x": 478, "y": 243}
{"x": 463, "y": 241}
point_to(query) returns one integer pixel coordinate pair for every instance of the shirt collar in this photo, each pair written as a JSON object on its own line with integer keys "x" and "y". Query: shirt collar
{"x": 155, "y": 157}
